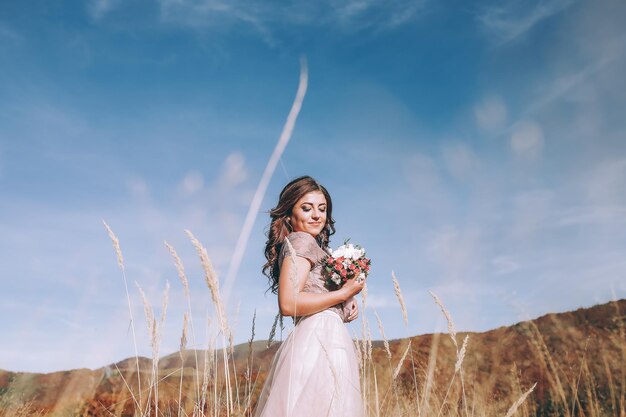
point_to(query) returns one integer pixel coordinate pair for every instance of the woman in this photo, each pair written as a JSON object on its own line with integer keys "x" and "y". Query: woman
{"x": 315, "y": 371}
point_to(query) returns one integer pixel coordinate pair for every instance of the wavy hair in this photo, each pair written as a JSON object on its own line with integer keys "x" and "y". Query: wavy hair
{"x": 279, "y": 227}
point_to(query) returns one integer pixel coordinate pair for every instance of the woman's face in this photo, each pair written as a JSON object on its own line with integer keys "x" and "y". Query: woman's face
{"x": 309, "y": 213}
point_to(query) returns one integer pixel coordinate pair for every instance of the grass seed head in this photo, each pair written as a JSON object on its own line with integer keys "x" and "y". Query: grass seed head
{"x": 519, "y": 401}
{"x": 270, "y": 339}
{"x": 116, "y": 245}
{"x": 451, "y": 328}
{"x": 396, "y": 372}
{"x": 210, "y": 277}
{"x": 183, "y": 337}
{"x": 396, "y": 287}
{"x": 382, "y": 334}
{"x": 460, "y": 355}
{"x": 179, "y": 268}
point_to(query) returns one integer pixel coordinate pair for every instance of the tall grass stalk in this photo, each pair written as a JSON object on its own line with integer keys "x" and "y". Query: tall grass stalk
{"x": 547, "y": 360}
{"x": 180, "y": 269}
{"x": 446, "y": 313}
{"x": 120, "y": 262}
{"x": 154, "y": 331}
{"x": 183, "y": 344}
{"x": 519, "y": 401}
{"x": 430, "y": 371}
{"x": 249, "y": 365}
{"x": 272, "y": 334}
{"x": 212, "y": 282}
{"x": 398, "y": 291}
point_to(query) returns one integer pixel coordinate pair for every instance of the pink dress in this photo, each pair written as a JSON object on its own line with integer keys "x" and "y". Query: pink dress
{"x": 315, "y": 372}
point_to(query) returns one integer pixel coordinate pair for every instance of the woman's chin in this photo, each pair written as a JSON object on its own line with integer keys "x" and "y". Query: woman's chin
{"x": 312, "y": 232}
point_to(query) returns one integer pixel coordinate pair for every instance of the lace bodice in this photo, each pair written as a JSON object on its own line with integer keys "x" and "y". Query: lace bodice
{"x": 307, "y": 247}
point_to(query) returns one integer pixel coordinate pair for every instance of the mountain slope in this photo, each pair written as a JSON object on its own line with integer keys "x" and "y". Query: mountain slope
{"x": 577, "y": 359}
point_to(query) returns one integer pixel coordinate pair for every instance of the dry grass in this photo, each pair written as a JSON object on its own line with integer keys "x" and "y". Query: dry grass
{"x": 396, "y": 287}
{"x": 426, "y": 376}
{"x": 519, "y": 401}
{"x": 11, "y": 405}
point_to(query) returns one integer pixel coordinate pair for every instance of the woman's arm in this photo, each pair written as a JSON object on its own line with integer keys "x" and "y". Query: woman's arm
{"x": 293, "y": 302}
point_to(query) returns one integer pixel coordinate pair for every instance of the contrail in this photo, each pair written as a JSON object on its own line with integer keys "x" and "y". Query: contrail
{"x": 259, "y": 194}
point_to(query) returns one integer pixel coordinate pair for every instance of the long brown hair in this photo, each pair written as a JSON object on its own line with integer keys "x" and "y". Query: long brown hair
{"x": 280, "y": 227}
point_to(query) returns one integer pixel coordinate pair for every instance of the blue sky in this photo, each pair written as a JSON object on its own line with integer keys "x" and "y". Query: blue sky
{"x": 478, "y": 149}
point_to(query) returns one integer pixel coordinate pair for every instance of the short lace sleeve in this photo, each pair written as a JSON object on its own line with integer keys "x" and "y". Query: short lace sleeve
{"x": 304, "y": 245}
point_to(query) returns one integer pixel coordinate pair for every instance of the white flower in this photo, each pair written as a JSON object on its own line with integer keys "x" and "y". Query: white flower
{"x": 348, "y": 251}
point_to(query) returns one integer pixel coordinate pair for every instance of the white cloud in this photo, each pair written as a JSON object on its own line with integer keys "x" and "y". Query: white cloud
{"x": 426, "y": 188}
{"x": 138, "y": 189}
{"x": 217, "y": 14}
{"x": 527, "y": 139}
{"x": 593, "y": 215}
{"x": 422, "y": 174}
{"x": 99, "y": 8}
{"x": 570, "y": 85}
{"x": 349, "y": 16}
{"x": 510, "y": 20}
{"x": 457, "y": 253}
{"x": 606, "y": 183}
{"x": 585, "y": 70}
{"x": 531, "y": 211}
{"x": 504, "y": 265}
{"x": 192, "y": 183}
{"x": 233, "y": 171}
{"x": 362, "y": 14}
{"x": 460, "y": 160}
{"x": 491, "y": 113}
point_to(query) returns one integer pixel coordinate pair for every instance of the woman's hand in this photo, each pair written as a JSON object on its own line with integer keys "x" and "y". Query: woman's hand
{"x": 353, "y": 312}
{"x": 352, "y": 287}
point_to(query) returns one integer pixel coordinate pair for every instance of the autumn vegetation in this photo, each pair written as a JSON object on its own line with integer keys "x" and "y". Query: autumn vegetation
{"x": 568, "y": 364}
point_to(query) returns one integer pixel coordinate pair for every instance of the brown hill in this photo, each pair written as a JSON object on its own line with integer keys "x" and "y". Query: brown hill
{"x": 577, "y": 359}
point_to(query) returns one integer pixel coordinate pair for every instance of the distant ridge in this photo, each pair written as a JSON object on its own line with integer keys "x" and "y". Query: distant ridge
{"x": 500, "y": 360}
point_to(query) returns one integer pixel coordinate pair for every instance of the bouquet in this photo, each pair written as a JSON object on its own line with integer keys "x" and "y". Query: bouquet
{"x": 348, "y": 261}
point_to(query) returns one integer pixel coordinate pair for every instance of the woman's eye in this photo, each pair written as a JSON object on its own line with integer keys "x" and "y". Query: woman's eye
{"x": 306, "y": 209}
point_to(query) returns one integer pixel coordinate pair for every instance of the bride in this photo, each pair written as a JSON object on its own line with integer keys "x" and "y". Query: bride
{"x": 315, "y": 371}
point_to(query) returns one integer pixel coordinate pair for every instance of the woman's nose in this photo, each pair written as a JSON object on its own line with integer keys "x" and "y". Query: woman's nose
{"x": 316, "y": 214}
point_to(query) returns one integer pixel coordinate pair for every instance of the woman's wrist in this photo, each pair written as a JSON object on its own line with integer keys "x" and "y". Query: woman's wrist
{"x": 343, "y": 294}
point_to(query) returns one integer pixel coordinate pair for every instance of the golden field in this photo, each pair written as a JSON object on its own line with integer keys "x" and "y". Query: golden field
{"x": 567, "y": 364}
{"x": 577, "y": 359}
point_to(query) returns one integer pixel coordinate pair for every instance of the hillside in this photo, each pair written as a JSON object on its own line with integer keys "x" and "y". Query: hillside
{"x": 577, "y": 359}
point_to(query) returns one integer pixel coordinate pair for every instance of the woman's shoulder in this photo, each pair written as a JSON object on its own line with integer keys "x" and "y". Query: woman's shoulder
{"x": 299, "y": 235}
{"x": 305, "y": 242}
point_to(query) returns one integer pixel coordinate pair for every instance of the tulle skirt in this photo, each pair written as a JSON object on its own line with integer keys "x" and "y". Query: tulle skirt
{"x": 315, "y": 372}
